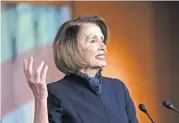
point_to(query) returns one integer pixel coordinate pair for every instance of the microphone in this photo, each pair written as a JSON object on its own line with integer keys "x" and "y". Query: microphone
{"x": 144, "y": 109}
{"x": 168, "y": 105}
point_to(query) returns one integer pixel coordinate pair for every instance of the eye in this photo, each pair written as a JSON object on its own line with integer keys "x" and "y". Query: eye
{"x": 102, "y": 39}
{"x": 93, "y": 41}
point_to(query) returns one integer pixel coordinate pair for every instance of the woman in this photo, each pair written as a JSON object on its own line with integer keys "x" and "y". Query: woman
{"x": 83, "y": 95}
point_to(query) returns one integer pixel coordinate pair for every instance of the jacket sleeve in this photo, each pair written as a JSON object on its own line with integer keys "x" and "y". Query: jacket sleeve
{"x": 55, "y": 109}
{"x": 130, "y": 108}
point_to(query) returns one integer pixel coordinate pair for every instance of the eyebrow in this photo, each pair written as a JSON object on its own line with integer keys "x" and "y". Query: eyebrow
{"x": 93, "y": 36}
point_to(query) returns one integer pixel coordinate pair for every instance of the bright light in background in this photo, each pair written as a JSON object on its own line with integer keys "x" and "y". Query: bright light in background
{"x": 124, "y": 66}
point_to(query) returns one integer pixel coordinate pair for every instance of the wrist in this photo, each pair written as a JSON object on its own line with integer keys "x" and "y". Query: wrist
{"x": 40, "y": 100}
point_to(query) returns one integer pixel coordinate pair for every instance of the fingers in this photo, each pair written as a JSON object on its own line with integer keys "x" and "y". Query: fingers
{"x": 25, "y": 67}
{"x": 30, "y": 65}
{"x": 38, "y": 72}
{"x": 44, "y": 73}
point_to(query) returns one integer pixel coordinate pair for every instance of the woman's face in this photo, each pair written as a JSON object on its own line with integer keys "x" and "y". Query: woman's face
{"x": 91, "y": 41}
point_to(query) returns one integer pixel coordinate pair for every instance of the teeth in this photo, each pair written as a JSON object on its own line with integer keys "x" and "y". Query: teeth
{"x": 100, "y": 56}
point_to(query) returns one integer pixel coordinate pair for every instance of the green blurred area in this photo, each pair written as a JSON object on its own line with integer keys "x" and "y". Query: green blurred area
{"x": 25, "y": 27}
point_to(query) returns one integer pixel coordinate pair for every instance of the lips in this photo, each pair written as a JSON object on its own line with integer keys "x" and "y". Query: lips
{"x": 100, "y": 56}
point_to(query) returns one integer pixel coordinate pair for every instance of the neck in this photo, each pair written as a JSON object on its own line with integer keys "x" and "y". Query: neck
{"x": 90, "y": 72}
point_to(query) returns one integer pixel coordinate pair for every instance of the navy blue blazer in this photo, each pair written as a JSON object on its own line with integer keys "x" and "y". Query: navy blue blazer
{"x": 73, "y": 100}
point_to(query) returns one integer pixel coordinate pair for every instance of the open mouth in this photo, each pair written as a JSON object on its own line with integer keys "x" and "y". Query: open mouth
{"x": 101, "y": 56}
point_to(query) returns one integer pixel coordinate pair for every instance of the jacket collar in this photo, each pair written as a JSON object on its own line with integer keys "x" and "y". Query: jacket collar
{"x": 94, "y": 81}
{"x": 84, "y": 80}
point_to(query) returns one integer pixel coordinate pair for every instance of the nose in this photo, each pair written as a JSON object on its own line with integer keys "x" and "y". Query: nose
{"x": 102, "y": 46}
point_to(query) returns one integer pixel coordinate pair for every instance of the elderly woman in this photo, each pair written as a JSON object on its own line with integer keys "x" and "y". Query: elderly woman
{"x": 83, "y": 95}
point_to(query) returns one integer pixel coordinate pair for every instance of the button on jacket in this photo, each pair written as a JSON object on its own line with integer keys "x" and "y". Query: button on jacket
{"x": 74, "y": 100}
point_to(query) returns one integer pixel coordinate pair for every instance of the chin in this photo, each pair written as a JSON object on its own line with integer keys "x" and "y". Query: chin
{"x": 101, "y": 65}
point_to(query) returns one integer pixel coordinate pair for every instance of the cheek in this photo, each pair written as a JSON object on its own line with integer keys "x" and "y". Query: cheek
{"x": 89, "y": 56}
{"x": 90, "y": 52}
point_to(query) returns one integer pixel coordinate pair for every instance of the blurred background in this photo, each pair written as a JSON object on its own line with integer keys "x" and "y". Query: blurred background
{"x": 143, "y": 51}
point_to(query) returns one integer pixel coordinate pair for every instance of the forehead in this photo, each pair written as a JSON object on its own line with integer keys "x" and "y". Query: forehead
{"x": 90, "y": 29}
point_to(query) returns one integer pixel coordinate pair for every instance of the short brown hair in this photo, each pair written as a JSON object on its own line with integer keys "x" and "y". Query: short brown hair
{"x": 67, "y": 56}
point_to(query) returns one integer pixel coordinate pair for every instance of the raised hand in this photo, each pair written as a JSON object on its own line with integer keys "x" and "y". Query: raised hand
{"x": 36, "y": 79}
